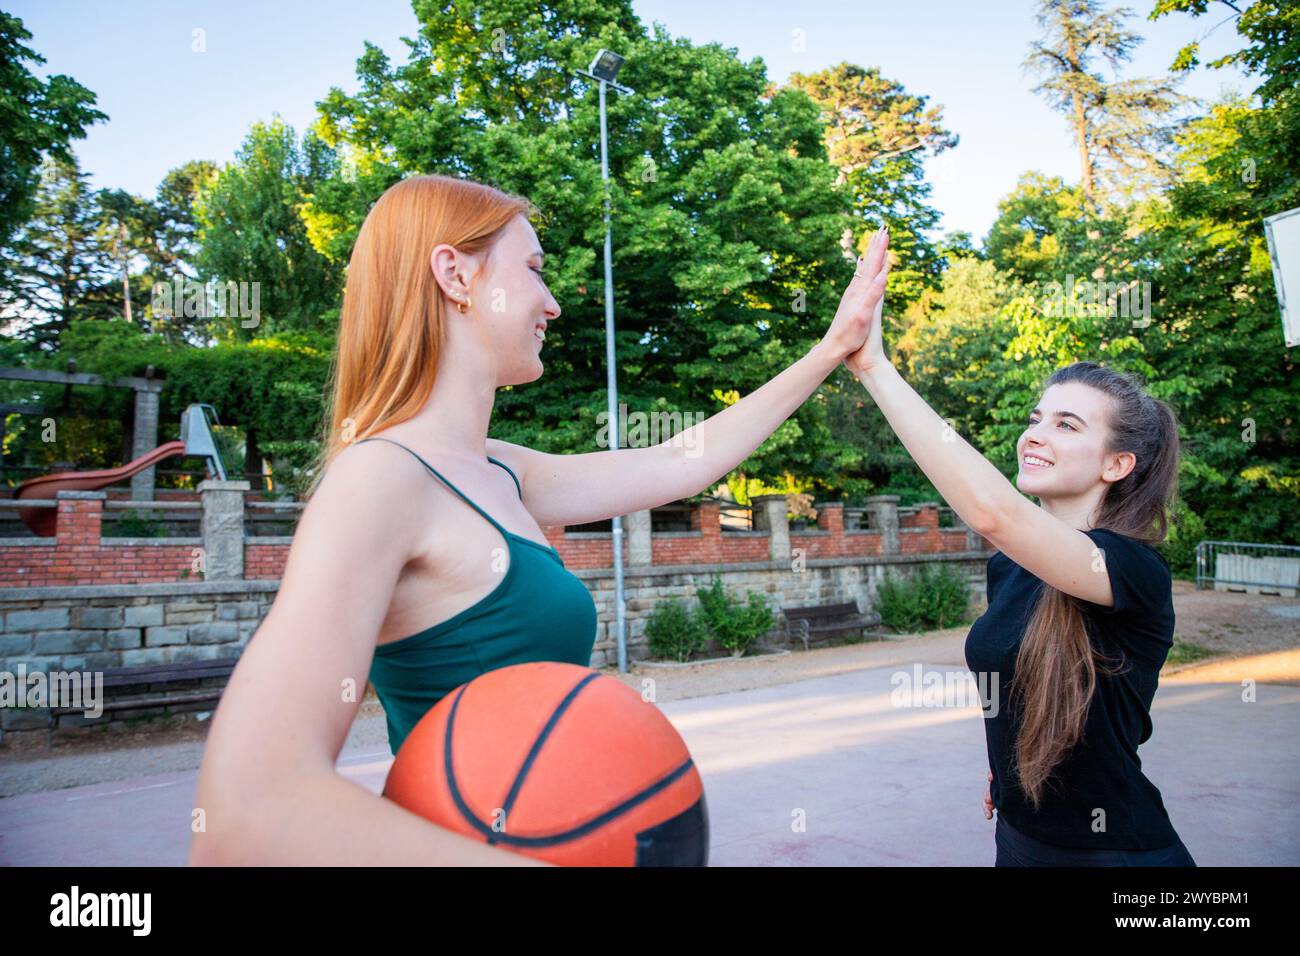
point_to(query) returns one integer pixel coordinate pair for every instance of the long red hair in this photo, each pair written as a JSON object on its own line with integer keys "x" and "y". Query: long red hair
{"x": 391, "y": 326}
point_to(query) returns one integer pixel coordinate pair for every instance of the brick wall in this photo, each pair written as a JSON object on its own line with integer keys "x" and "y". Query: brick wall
{"x": 78, "y": 555}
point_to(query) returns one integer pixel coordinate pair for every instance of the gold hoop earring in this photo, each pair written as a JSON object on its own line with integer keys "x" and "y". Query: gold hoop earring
{"x": 463, "y": 308}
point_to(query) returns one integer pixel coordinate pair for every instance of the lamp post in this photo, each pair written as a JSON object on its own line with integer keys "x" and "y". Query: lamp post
{"x": 604, "y": 68}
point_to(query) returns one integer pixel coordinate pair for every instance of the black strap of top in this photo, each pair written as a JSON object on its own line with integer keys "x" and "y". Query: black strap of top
{"x": 463, "y": 496}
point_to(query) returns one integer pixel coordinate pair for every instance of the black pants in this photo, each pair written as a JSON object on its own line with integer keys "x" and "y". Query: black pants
{"x": 1016, "y": 849}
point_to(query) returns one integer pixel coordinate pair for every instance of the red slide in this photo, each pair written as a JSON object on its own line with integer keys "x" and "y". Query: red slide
{"x": 43, "y": 521}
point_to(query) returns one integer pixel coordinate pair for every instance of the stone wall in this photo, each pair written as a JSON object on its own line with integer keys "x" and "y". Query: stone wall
{"x": 91, "y": 628}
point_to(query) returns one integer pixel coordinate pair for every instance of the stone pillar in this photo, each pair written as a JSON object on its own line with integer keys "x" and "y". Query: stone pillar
{"x": 144, "y": 438}
{"x": 223, "y": 529}
{"x": 639, "y": 550}
{"x": 883, "y": 510}
{"x": 772, "y": 514}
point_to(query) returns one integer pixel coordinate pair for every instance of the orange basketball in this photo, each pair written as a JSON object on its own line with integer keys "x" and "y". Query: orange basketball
{"x": 558, "y": 762}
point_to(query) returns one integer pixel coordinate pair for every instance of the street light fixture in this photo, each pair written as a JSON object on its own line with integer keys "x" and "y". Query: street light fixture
{"x": 604, "y": 68}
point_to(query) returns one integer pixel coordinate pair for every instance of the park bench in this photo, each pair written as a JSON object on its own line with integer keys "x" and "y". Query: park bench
{"x": 159, "y": 685}
{"x": 825, "y": 619}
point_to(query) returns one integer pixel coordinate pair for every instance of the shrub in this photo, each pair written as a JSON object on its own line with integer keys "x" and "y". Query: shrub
{"x": 132, "y": 524}
{"x": 933, "y": 597}
{"x": 1186, "y": 529}
{"x": 675, "y": 631}
{"x": 733, "y": 625}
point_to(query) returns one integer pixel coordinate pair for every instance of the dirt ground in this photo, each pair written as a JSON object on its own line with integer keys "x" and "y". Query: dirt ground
{"x": 1232, "y": 624}
{"x": 1234, "y": 630}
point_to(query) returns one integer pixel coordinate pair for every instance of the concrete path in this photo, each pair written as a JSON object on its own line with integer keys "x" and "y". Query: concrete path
{"x": 820, "y": 770}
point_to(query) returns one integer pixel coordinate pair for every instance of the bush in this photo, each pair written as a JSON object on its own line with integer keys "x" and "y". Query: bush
{"x": 1186, "y": 529}
{"x": 933, "y": 597}
{"x": 675, "y": 631}
{"x": 132, "y": 524}
{"x": 733, "y": 625}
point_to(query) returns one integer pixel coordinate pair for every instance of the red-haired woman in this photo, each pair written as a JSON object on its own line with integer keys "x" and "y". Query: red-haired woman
{"x": 419, "y": 561}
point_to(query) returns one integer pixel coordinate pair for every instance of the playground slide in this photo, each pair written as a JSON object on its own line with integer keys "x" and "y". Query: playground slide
{"x": 42, "y": 521}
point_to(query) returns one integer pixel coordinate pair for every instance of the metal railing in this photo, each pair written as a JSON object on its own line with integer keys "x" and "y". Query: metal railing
{"x": 734, "y": 517}
{"x": 672, "y": 517}
{"x": 1254, "y": 568}
{"x": 272, "y": 518}
{"x": 151, "y": 519}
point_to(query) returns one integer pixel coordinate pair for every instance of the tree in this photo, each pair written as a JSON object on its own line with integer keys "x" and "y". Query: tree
{"x": 171, "y": 233}
{"x": 57, "y": 267}
{"x": 1121, "y": 129}
{"x": 1273, "y": 29}
{"x": 1239, "y": 163}
{"x": 37, "y": 119}
{"x": 119, "y": 225}
{"x": 726, "y": 219}
{"x": 251, "y": 230}
{"x": 1266, "y": 177}
{"x": 877, "y": 136}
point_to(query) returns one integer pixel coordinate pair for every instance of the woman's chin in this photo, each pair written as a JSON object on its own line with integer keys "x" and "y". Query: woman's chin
{"x": 1030, "y": 484}
{"x": 526, "y": 374}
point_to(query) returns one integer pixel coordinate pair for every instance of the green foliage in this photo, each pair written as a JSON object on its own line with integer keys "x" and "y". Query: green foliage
{"x": 1186, "y": 529}
{"x": 882, "y": 163}
{"x": 38, "y": 118}
{"x": 57, "y": 268}
{"x": 133, "y": 524}
{"x": 931, "y": 597}
{"x": 251, "y": 229}
{"x": 270, "y": 387}
{"x": 709, "y": 160}
{"x": 732, "y": 197}
{"x": 733, "y": 625}
{"x": 675, "y": 631}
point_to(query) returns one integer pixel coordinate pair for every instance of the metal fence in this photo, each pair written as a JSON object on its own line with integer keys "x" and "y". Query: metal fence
{"x": 733, "y": 516}
{"x": 1244, "y": 566}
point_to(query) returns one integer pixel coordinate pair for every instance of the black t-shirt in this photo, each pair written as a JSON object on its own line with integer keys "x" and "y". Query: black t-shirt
{"x": 1102, "y": 771}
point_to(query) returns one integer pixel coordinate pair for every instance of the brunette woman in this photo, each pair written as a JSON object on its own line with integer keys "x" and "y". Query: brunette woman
{"x": 1080, "y": 611}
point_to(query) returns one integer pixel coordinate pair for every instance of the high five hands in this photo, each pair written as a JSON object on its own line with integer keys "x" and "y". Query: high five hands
{"x": 854, "y": 334}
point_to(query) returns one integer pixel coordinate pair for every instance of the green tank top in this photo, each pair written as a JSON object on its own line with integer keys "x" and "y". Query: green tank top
{"x": 540, "y": 611}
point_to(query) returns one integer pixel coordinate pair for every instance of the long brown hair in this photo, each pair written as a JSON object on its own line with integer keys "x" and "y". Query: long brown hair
{"x": 391, "y": 325}
{"x": 1056, "y": 666}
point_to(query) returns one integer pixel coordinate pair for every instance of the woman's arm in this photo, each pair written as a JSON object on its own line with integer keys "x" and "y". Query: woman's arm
{"x": 1051, "y": 550}
{"x": 576, "y": 489}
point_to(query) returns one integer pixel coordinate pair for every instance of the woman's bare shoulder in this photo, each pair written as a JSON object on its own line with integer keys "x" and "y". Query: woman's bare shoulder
{"x": 376, "y": 477}
{"x": 515, "y": 456}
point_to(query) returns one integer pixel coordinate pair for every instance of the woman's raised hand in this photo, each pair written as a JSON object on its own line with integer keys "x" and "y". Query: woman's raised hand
{"x": 858, "y": 318}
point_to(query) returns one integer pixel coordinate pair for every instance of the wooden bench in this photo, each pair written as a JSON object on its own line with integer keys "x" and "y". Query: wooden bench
{"x": 821, "y": 619}
{"x": 160, "y": 685}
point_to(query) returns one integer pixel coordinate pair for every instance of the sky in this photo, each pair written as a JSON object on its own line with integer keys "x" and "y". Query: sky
{"x": 168, "y": 103}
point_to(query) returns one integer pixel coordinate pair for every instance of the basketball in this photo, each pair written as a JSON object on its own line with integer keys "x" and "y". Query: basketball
{"x": 558, "y": 762}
